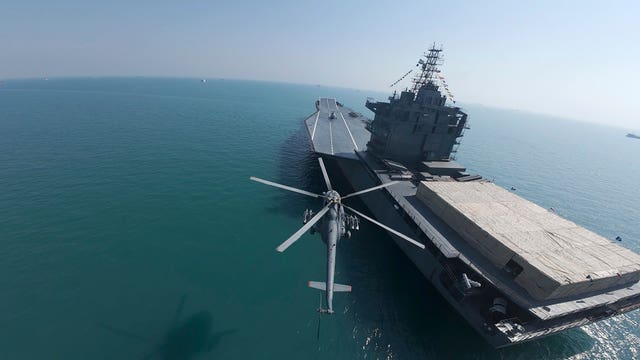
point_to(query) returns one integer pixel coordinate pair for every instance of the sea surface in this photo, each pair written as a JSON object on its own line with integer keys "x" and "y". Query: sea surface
{"x": 126, "y": 209}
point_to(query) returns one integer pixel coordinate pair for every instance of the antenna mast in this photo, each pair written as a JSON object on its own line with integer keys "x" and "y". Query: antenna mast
{"x": 428, "y": 68}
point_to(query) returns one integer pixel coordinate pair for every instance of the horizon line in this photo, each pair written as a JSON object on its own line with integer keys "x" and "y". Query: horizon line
{"x": 219, "y": 78}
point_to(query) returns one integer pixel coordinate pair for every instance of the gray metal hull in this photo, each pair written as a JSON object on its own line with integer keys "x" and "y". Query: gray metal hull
{"x": 447, "y": 257}
{"x": 384, "y": 211}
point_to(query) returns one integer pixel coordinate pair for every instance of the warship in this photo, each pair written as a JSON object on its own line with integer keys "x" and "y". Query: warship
{"x": 513, "y": 270}
{"x": 633, "y": 136}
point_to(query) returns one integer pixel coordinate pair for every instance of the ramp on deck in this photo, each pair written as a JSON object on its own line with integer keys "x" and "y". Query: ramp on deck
{"x": 548, "y": 256}
{"x": 340, "y": 136}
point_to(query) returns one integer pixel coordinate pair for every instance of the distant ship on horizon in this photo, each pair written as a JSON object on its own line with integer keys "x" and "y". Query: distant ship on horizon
{"x": 633, "y": 136}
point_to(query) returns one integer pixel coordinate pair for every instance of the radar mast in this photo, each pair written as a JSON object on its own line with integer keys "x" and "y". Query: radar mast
{"x": 428, "y": 69}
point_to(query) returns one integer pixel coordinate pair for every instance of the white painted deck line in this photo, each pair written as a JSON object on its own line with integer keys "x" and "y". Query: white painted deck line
{"x": 350, "y": 135}
{"x": 331, "y": 137}
{"x": 313, "y": 133}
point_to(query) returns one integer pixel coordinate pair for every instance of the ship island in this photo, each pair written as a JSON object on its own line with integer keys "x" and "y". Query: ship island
{"x": 515, "y": 271}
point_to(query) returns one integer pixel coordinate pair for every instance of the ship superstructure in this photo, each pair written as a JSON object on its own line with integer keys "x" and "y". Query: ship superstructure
{"x": 514, "y": 270}
{"x": 417, "y": 125}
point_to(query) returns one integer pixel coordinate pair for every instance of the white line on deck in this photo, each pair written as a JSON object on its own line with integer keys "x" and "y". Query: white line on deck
{"x": 345, "y": 124}
{"x": 331, "y": 137}
{"x": 315, "y": 124}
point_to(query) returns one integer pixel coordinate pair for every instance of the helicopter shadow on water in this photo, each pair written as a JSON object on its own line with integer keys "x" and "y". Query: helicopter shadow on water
{"x": 396, "y": 312}
{"x": 185, "y": 339}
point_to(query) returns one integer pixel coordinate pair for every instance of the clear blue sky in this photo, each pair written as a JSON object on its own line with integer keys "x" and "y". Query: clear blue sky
{"x": 576, "y": 59}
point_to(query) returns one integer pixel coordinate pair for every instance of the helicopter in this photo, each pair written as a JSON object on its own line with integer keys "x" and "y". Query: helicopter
{"x": 333, "y": 223}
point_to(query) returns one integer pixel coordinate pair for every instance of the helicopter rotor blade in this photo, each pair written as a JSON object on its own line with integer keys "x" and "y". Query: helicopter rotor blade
{"x": 324, "y": 173}
{"x": 399, "y": 234}
{"x": 293, "y": 238}
{"x": 370, "y": 189}
{"x": 271, "y": 183}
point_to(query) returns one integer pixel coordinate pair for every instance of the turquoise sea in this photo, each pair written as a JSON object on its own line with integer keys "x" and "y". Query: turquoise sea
{"x": 123, "y": 198}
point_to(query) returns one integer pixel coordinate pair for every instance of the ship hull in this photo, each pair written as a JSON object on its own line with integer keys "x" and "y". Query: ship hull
{"x": 340, "y": 136}
{"x": 433, "y": 264}
{"x": 383, "y": 209}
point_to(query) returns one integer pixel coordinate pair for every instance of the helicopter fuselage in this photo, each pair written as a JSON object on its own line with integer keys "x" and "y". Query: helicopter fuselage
{"x": 331, "y": 232}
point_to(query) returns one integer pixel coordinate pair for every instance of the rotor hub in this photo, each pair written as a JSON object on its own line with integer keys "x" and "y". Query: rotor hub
{"x": 333, "y": 196}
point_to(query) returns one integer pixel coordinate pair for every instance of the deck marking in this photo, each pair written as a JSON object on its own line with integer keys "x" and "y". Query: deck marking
{"x": 345, "y": 124}
{"x": 331, "y": 137}
{"x": 315, "y": 124}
